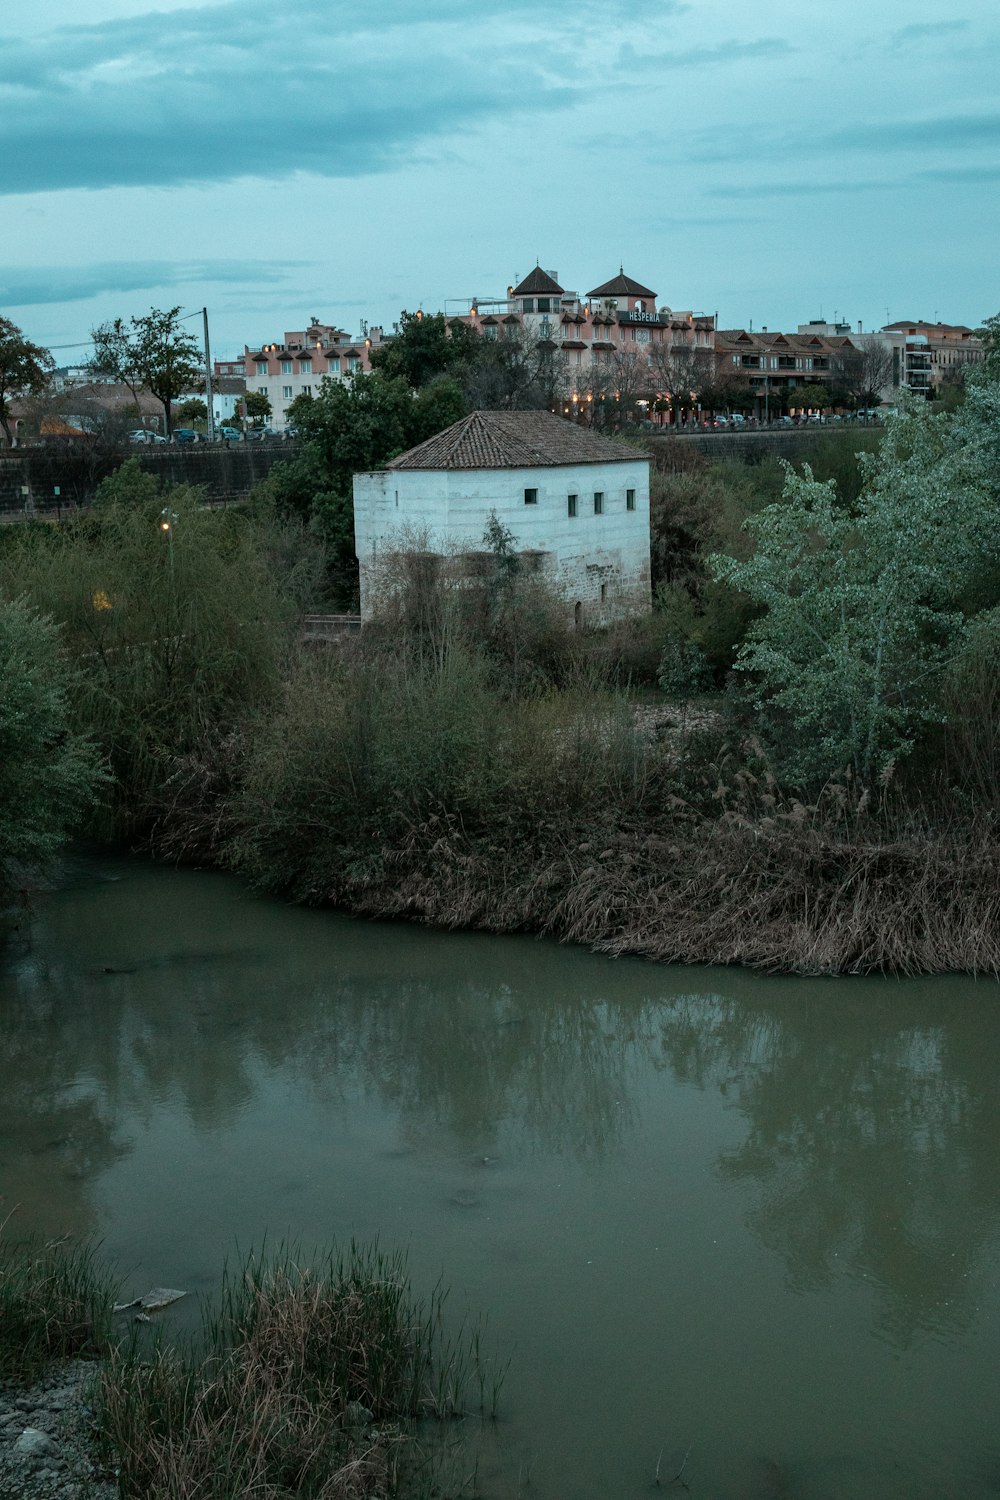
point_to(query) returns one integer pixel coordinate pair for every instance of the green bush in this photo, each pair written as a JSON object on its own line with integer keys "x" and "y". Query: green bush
{"x": 49, "y": 772}
{"x": 174, "y": 622}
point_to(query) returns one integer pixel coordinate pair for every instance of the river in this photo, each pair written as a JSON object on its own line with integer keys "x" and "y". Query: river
{"x": 741, "y": 1226}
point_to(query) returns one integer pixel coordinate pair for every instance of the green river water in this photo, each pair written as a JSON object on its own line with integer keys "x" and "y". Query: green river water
{"x": 743, "y": 1224}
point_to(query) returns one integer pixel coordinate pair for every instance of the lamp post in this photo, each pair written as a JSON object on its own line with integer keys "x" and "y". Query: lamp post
{"x": 167, "y": 519}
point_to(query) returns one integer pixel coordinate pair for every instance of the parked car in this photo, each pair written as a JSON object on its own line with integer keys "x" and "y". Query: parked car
{"x": 142, "y": 435}
{"x": 186, "y": 435}
{"x": 737, "y": 418}
{"x": 230, "y": 434}
{"x": 260, "y": 434}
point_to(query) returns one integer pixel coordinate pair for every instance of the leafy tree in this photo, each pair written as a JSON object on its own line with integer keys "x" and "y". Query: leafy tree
{"x": 192, "y": 411}
{"x": 990, "y": 336}
{"x": 813, "y": 395}
{"x": 355, "y": 424}
{"x": 426, "y": 346}
{"x": 25, "y": 370}
{"x": 152, "y": 353}
{"x": 48, "y": 774}
{"x": 435, "y": 407}
{"x": 863, "y": 607}
{"x": 257, "y": 405}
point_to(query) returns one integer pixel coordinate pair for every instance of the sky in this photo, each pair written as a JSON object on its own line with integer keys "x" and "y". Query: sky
{"x": 773, "y": 162}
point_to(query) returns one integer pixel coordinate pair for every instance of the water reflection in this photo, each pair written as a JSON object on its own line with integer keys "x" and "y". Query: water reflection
{"x": 870, "y": 1137}
{"x": 848, "y": 1130}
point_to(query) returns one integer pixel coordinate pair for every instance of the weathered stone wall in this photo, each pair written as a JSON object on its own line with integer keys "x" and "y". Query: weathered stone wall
{"x": 598, "y": 555}
{"x": 31, "y": 476}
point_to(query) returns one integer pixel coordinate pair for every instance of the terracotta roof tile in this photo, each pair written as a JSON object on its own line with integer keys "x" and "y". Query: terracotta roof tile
{"x": 537, "y": 282}
{"x": 622, "y": 286}
{"x": 514, "y": 440}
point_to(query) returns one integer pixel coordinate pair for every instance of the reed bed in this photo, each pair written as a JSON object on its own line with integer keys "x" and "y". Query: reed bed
{"x": 792, "y": 893}
{"x": 55, "y": 1303}
{"x": 307, "y": 1379}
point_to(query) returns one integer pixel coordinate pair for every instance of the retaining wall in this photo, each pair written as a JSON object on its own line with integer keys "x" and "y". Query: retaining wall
{"x": 751, "y": 447}
{"x": 30, "y": 477}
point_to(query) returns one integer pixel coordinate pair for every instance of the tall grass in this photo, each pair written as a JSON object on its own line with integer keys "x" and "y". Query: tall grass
{"x": 306, "y": 1380}
{"x": 55, "y": 1303}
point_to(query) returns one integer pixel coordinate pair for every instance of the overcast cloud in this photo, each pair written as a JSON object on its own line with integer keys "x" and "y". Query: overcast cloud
{"x": 318, "y": 156}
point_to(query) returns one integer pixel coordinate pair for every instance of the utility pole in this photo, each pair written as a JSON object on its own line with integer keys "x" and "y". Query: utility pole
{"x": 208, "y": 382}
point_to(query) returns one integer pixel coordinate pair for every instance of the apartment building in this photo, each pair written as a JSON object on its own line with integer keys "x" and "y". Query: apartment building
{"x": 294, "y": 367}
{"x": 927, "y": 356}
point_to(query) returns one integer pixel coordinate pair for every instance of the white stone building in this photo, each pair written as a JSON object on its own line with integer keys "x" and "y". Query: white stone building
{"x": 576, "y": 503}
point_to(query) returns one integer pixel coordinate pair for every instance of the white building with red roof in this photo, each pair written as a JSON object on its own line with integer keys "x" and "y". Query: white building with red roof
{"x": 576, "y": 504}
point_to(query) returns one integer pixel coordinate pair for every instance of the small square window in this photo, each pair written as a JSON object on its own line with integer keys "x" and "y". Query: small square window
{"x": 571, "y": 505}
{"x": 531, "y": 497}
{"x": 286, "y": 393}
{"x": 630, "y": 499}
{"x": 598, "y": 502}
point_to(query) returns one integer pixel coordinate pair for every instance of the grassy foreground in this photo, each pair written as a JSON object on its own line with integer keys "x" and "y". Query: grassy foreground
{"x": 305, "y": 1379}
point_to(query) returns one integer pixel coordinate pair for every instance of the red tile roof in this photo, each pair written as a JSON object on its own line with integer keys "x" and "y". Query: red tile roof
{"x": 537, "y": 282}
{"x": 622, "y": 286}
{"x": 514, "y": 440}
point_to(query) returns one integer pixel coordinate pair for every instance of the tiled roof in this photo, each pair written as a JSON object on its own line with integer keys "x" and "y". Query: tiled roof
{"x": 622, "y": 286}
{"x": 514, "y": 440}
{"x": 537, "y": 283}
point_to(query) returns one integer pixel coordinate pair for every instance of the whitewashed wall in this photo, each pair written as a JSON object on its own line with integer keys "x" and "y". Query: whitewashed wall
{"x": 449, "y": 510}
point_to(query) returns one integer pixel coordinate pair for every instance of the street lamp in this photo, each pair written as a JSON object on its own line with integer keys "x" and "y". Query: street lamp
{"x": 167, "y": 519}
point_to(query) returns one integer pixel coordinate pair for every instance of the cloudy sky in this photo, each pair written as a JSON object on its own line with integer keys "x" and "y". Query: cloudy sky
{"x": 773, "y": 162}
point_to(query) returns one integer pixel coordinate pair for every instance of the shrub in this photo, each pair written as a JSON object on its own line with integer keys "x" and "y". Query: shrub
{"x": 49, "y": 775}
{"x": 175, "y": 625}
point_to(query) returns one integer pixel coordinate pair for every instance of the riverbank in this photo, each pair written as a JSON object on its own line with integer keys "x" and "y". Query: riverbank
{"x": 392, "y": 792}
{"x": 306, "y": 1379}
{"x": 798, "y": 898}
{"x": 47, "y": 1438}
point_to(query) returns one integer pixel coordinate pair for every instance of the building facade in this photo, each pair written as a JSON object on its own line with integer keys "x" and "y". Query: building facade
{"x": 614, "y": 339}
{"x": 929, "y": 356}
{"x": 576, "y": 505}
{"x": 295, "y": 367}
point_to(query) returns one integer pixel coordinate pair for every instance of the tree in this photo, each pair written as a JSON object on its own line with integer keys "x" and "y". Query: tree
{"x": 864, "y": 606}
{"x": 48, "y": 774}
{"x": 257, "y": 405}
{"x": 616, "y": 383}
{"x": 25, "y": 370}
{"x": 517, "y": 371}
{"x": 679, "y": 374}
{"x": 864, "y": 372}
{"x": 813, "y": 396}
{"x": 426, "y": 347}
{"x": 152, "y": 353}
{"x": 194, "y": 410}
